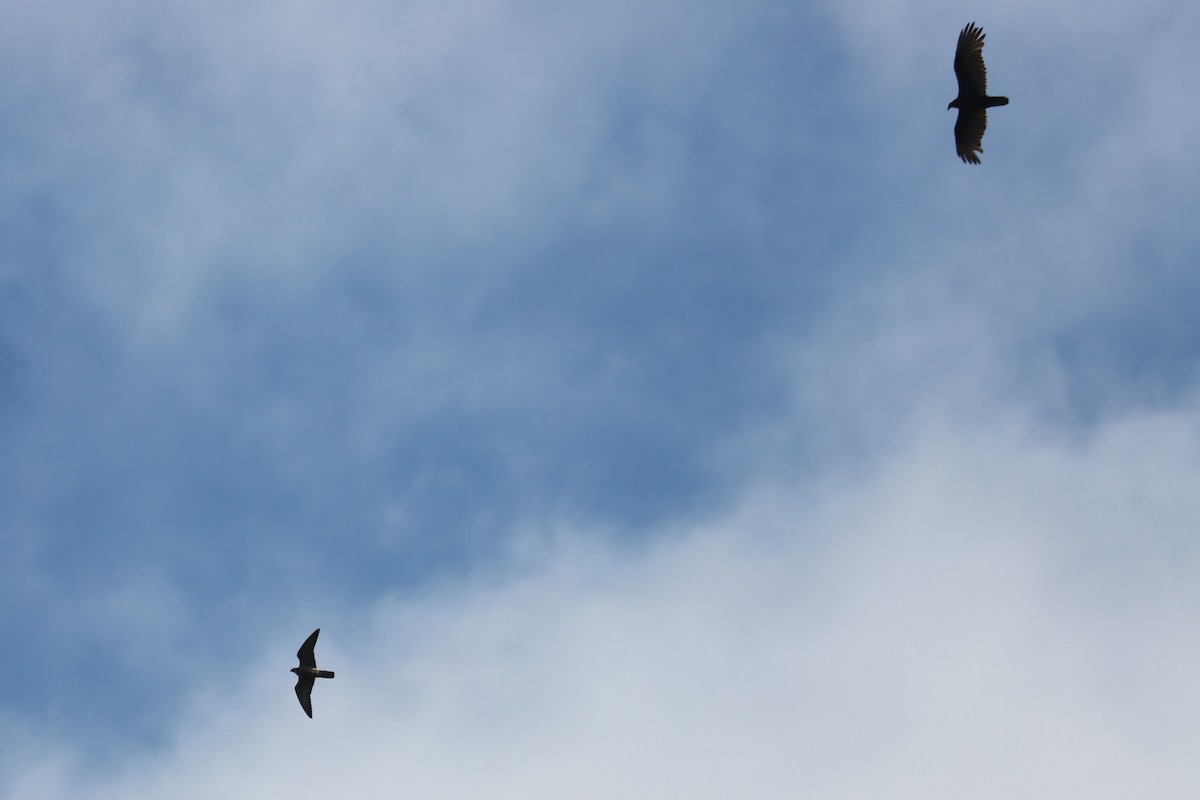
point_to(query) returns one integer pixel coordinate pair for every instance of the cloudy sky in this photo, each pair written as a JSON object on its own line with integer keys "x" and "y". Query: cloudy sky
{"x": 642, "y": 398}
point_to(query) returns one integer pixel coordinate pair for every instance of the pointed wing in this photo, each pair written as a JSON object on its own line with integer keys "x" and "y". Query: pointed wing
{"x": 968, "y": 62}
{"x": 968, "y": 134}
{"x": 304, "y": 685}
{"x": 307, "y": 652}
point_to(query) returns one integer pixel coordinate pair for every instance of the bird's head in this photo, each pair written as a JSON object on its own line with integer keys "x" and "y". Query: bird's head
{"x": 953, "y": 104}
{"x": 295, "y": 670}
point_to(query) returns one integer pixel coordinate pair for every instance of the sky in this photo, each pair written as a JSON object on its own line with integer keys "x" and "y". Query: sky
{"x": 642, "y": 398}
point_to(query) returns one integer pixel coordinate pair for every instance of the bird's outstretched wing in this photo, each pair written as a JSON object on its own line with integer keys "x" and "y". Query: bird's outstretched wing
{"x": 307, "y": 653}
{"x": 304, "y": 686}
{"x": 968, "y": 134}
{"x": 968, "y": 62}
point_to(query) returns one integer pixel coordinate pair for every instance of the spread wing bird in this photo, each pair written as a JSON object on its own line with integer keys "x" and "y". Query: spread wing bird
{"x": 307, "y": 673}
{"x": 973, "y": 100}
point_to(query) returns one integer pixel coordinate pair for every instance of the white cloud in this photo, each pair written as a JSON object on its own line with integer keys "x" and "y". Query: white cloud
{"x": 993, "y": 613}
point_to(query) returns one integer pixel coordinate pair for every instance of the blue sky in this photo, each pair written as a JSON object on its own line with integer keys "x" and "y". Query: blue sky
{"x": 642, "y": 400}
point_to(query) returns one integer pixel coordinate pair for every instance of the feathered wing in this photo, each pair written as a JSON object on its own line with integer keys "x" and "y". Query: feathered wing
{"x": 307, "y": 652}
{"x": 968, "y": 134}
{"x": 968, "y": 62}
{"x": 304, "y": 686}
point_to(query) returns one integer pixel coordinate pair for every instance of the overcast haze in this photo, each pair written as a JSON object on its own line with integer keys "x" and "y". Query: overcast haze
{"x": 643, "y": 399}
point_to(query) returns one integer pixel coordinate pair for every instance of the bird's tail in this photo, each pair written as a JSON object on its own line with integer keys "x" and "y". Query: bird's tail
{"x": 323, "y": 673}
{"x": 995, "y": 101}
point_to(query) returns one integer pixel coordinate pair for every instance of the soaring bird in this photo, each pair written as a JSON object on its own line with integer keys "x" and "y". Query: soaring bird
{"x": 973, "y": 100}
{"x": 307, "y": 673}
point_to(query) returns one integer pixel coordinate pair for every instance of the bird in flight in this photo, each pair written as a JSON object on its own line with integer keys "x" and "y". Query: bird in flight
{"x": 307, "y": 673}
{"x": 973, "y": 100}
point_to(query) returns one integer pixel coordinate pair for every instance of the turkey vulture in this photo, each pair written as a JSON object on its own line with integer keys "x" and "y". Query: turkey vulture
{"x": 973, "y": 100}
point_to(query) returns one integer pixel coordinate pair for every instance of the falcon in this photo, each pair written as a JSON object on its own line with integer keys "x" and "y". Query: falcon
{"x": 307, "y": 673}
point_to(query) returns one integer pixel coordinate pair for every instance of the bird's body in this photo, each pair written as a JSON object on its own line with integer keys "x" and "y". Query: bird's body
{"x": 307, "y": 673}
{"x": 973, "y": 101}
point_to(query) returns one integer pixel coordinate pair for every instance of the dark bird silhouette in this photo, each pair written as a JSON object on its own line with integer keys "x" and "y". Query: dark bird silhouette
{"x": 973, "y": 100}
{"x": 307, "y": 673}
